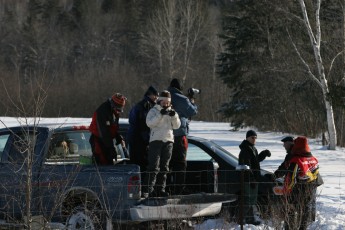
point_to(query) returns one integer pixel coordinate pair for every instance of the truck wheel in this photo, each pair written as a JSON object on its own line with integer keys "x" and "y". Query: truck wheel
{"x": 83, "y": 218}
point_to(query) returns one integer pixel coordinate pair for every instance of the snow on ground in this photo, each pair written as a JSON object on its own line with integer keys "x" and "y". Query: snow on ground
{"x": 331, "y": 195}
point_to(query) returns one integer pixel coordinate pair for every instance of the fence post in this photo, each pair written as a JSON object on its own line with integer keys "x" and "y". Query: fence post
{"x": 242, "y": 168}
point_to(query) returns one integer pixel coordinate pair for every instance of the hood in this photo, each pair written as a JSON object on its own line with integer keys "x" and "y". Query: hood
{"x": 245, "y": 144}
{"x": 173, "y": 90}
{"x": 300, "y": 146}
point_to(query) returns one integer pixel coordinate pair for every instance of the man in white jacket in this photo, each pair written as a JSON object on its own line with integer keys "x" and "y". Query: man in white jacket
{"x": 161, "y": 120}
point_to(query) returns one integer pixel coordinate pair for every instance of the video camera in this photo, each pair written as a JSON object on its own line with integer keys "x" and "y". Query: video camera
{"x": 192, "y": 91}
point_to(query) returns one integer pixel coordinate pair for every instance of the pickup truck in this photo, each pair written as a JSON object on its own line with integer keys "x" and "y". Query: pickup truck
{"x": 48, "y": 179}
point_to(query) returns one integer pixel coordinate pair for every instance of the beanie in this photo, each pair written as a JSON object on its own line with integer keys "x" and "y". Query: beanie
{"x": 300, "y": 146}
{"x": 118, "y": 101}
{"x": 176, "y": 84}
{"x": 151, "y": 91}
{"x": 251, "y": 133}
{"x": 164, "y": 95}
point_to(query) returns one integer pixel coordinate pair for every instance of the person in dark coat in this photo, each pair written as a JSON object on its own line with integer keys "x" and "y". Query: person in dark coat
{"x": 185, "y": 108}
{"x": 300, "y": 185}
{"x": 288, "y": 145}
{"x": 104, "y": 128}
{"x": 138, "y": 134}
{"x": 249, "y": 156}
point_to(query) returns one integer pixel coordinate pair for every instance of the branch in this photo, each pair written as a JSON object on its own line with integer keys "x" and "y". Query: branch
{"x": 331, "y": 65}
{"x": 279, "y": 9}
{"x": 317, "y": 20}
{"x": 304, "y": 62}
{"x": 307, "y": 23}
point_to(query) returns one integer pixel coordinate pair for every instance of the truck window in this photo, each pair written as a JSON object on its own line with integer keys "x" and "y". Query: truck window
{"x": 22, "y": 145}
{"x": 69, "y": 147}
{"x": 197, "y": 154}
{"x": 3, "y": 142}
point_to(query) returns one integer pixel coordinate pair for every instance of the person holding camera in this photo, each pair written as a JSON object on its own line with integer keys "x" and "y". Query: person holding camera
{"x": 161, "y": 120}
{"x": 185, "y": 108}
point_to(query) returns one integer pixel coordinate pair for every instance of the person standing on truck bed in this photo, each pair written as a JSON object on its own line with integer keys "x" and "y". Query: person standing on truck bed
{"x": 161, "y": 119}
{"x": 185, "y": 108}
{"x": 138, "y": 135}
{"x": 104, "y": 128}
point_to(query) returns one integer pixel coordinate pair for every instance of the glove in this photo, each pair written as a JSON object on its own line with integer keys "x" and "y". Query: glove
{"x": 172, "y": 113}
{"x": 278, "y": 190}
{"x": 119, "y": 139}
{"x": 266, "y": 153}
{"x": 164, "y": 112}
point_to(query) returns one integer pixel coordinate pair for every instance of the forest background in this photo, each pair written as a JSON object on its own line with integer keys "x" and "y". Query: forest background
{"x": 65, "y": 57}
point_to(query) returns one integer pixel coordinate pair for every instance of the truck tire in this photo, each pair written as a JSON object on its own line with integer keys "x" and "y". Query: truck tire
{"x": 83, "y": 218}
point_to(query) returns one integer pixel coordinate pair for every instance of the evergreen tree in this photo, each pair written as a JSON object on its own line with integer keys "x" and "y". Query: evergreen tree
{"x": 267, "y": 81}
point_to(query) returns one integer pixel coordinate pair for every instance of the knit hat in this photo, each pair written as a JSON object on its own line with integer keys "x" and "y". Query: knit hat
{"x": 118, "y": 101}
{"x": 164, "y": 95}
{"x": 288, "y": 138}
{"x": 300, "y": 146}
{"x": 151, "y": 91}
{"x": 251, "y": 133}
{"x": 176, "y": 84}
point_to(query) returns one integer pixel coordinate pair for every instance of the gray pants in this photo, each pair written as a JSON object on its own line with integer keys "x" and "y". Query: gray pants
{"x": 158, "y": 166}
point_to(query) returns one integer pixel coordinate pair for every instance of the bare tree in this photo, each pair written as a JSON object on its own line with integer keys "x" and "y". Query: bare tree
{"x": 319, "y": 77}
{"x": 171, "y": 35}
{"x": 25, "y": 143}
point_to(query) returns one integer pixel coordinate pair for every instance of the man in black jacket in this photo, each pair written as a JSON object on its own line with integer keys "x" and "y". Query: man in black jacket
{"x": 138, "y": 134}
{"x": 283, "y": 167}
{"x": 249, "y": 156}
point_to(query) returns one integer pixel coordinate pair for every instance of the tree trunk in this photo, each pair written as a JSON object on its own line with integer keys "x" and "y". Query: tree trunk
{"x": 315, "y": 40}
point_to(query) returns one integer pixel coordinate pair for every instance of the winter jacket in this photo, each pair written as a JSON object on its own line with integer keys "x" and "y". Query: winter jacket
{"x": 283, "y": 167}
{"x": 249, "y": 156}
{"x": 161, "y": 125}
{"x": 138, "y": 129}
{"x": 185, "y": 109}
{"x": 104, "y": 127}
{"x": 303, "y": 169}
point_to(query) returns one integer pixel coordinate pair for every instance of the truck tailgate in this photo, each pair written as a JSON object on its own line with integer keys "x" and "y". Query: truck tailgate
{"x": 182, "y": 206}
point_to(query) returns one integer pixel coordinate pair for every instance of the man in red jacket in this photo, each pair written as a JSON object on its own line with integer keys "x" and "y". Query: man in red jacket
{"x": 300, "y": 185}
{"x": 104, "y": 128}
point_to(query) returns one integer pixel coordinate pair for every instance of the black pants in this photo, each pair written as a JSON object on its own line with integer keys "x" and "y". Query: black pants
{"x": 178, "y": 164}
{"x": 138, "y": 151}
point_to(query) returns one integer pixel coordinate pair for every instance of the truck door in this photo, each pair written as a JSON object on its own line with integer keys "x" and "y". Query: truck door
{"x": 18, "y": 173}
{"x": 3, "y": 141}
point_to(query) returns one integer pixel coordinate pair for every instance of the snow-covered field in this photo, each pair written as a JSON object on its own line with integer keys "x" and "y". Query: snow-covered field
{"x": 331, "y": 195}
